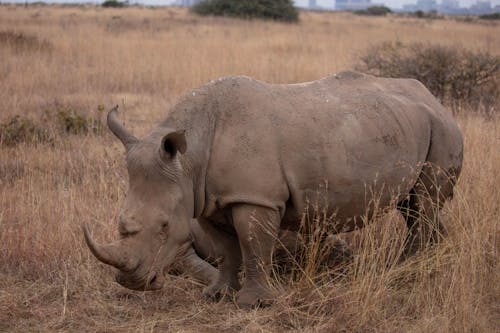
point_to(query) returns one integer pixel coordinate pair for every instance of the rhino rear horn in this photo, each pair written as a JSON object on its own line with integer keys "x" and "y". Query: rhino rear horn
{"x": 127, "y": 138}
{"x": 111, "y": 254}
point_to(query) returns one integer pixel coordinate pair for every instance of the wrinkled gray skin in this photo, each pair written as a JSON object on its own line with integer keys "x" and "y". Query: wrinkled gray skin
{"x": 198, "y": 260}
{"x": 245, "y": 158}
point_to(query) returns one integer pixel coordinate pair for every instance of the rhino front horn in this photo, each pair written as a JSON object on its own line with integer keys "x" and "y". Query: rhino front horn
{"x": 127, "y": 138}
{"x": 108, "y": 254}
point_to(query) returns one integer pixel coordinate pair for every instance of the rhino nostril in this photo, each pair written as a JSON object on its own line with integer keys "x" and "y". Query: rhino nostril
{"x": 152, "y": 279}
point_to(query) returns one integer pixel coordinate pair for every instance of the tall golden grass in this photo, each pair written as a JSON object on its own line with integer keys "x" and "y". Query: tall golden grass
{"x": 143, "y": 59}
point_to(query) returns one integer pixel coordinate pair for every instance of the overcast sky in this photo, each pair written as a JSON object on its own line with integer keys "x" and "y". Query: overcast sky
{"x": 303, "y": 3}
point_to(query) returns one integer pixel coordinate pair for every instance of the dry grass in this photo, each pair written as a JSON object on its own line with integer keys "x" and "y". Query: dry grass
{"x": 144, "y": 59}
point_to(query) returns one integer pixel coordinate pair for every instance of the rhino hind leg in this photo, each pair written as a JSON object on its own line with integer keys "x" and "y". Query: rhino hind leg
{"x": 291, "y": 247}
{"x": 257, "y": 228}
{"x": 339, "y": 252}
{"x": 421, "y": 208}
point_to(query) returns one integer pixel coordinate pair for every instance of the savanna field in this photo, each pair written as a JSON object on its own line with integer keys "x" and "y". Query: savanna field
{"x": 63, "y": 67}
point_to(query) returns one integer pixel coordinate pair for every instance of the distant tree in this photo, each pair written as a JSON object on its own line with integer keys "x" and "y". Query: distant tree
{"x": 374, "y": 11}
{"x": 493, "y": 16}
{"x": 114, "y": 4}
{"x": 432, "y": 14}
{"x": 279, "y": 10}
{"x": 419, "y": 14}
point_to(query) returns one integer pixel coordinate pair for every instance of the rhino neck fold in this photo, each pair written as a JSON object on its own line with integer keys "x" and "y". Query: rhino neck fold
{"x": 194, "y": 163}
{"x": 194, "y": 114}
{"x": 194, "y": 171}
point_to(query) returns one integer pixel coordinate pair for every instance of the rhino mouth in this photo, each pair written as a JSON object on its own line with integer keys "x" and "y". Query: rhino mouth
{"x": 151, "y": 281}
{"x": 134, "y": 272}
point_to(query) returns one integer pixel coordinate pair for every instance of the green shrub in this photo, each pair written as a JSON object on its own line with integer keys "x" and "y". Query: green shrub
{"x": 456, "y": 76}
{"x": 71, "y": 122}
{"x": 280, "y": 10}
{"x": 19, "y": 129}
{"x": 374, "y": 11}
{"x": 114, "y": 4}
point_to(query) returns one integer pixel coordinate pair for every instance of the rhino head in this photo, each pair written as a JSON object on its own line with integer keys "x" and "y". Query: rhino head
{"x": 154, "y": 220}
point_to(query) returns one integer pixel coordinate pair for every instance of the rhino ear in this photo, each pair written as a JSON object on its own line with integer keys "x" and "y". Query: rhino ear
{"x": 174, "y": 142}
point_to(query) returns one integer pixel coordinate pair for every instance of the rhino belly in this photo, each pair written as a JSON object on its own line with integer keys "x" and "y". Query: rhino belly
{"x": 354, "y": 177}
{"x": 348, "y": 201}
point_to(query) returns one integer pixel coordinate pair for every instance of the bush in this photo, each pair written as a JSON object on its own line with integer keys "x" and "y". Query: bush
{"x": 427, "y": 15}
{"x": 19, "y": 129}
{"x": 59, "y": 122}
{"x": 114, "y": 4}
{"x": 71, "y": 122}
{"x": 279, "y": 10}
{"x": 374, "y": 11}
{"x": 494, "y": 16}
{"x": 457, "y": 77}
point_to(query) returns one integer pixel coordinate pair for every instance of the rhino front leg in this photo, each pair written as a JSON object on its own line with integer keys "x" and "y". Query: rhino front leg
{"x": 228, "y": 253}
{"x": 257, "y": 228}
{"x": 198, "y": 268}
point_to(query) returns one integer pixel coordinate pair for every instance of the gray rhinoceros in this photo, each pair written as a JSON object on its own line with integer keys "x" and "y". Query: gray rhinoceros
{"x": 245, "y": 158}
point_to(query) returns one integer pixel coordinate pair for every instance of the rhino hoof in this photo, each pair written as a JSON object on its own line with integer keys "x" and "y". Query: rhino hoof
{"x": 254, "y": 298}
{"x": 218, "y": 291}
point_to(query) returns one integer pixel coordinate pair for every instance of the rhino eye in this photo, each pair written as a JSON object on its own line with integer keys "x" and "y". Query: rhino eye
{"x": 164, "y": 230}
{"x": 126, "y": 234}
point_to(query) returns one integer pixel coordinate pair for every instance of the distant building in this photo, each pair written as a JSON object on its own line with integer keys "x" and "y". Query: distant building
{"x": 312, "y": 4}
{"x": 352, "y": 4}
{"x": 481, "y": 8}
{"x": 188, "y": 3}
{"x": 449, "y": 5}
{"x": 452, "y": 7}
{"x": 410, "y": 7}
{"x": 427, "y": 5}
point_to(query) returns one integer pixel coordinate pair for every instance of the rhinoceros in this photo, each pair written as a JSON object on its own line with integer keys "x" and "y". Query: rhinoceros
{"x": 246, "y": 158}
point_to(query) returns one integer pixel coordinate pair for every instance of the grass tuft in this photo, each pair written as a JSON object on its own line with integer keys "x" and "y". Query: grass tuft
{"x": 22, "y": 42}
